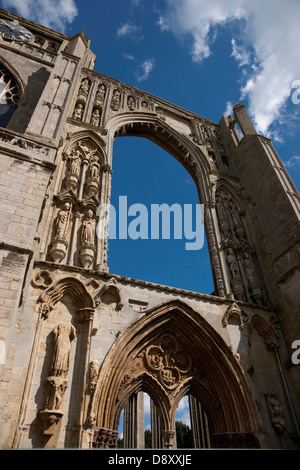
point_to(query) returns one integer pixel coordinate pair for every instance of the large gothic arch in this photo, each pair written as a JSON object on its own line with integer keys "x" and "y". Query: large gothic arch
{"x": 169, "y": 352}
{"x": 191, "y": 156}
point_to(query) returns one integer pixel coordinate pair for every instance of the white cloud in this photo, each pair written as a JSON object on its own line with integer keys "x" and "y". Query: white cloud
{"x": 266, "y": 41}
{"x": 54, "y": 14}
{"x": 162, "y": 22}
{"x": 129, "y": 31}
{"x": 145, "y": 69}
{"x": 128, "y": 56}
{"x": 293, "y": 161}
{"x": 240, "y": 53}
{"x": 228, "y": 111}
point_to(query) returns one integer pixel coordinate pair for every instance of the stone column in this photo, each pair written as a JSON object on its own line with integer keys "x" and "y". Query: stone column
{"x": 199, "y": 425}
{"x": 134, "y": 422}
{"x": 155, "y": 427}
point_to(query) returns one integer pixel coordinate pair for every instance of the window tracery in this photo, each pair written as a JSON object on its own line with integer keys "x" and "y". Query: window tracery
{"x": 9, "y": 96}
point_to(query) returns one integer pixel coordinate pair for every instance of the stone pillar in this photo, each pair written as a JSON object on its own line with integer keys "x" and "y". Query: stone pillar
{"x": 199, "y": 425}
{"x": 134, "y": 422}
{"x": 244, "y": 120}
{"x": 155, "y": 427}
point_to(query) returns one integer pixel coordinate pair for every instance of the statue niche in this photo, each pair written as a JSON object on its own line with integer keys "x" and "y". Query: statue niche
{"x": 81, "y": 99}
{"x": 243, "y": 276}
{"x": 92, "y": 182}
{"x": 56, "y": 383}
{"x": 87, "y": 240}
{"x": 73, "y": 169}
{"x": 61, "y": 227}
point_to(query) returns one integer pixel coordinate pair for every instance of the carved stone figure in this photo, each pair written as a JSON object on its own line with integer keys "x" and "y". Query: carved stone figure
{"x": 100, "y": 95}
{"x": 249, "y": 269}
{"x": 276, "y": 413}
{"x": 116, "y": 100}
{"x": 64, "y": 334}
{"x": 94, "y": 372}
{"x": 74, "y": 161}
{"x": 84, "y": 86}
{"x": 131, "y": 103}
{"x": 56, "y": 389}
{"x": 88, "y": 229}
{"x": 95, "y": 119}
{"x": 233, "y": 265}
{"x": 78, "y": 112}
{"x": 62, "y": 222}
{"x": 94, "y": 168}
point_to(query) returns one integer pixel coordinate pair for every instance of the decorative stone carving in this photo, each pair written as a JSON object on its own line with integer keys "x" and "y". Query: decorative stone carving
{"x": 233, "y": 311}
{"x": 131, "y": 103}
{"x": 42, "y": 280}
{"x": 244, "y": 278}
{"x": 100, "y": 95}
{"x": 105, "y": 438}
{"x": 73, "y": 169}
{"x": 92, "y": 183}
{"x": 116, "y": 100}
{"x": 111, "y": 287}
{"x": 78, "y": 112}
{"x": 56, "y": 383}
{"x": 95, "y": 119}
{"x": 94, "y": 373}
{"x": 61, "y": 227}
{"x": 64, "y": 333}
{"x": 276, "y": 413}
{"x": 167, "y": 361}
{"x": 87, "y": 241}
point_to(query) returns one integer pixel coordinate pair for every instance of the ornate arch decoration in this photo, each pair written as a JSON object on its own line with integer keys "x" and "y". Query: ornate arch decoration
{"x": 79, "y": 138}
{"x": 162, "y": 134}
{"x": 11, "y": 92}
{"x": 66, "y": 286}
{"x": 168, "y": 352}
{"x": 263, "y": 328}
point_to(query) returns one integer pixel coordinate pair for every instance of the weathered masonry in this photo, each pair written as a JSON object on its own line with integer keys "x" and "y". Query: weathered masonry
{"x": 80, "y": 345}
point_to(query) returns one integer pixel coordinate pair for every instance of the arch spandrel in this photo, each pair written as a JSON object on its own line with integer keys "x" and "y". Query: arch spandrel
{"x": 168, "y": 352}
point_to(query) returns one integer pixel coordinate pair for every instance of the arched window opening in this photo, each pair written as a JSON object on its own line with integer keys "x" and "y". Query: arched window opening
{"x": 192, "y": 430}
{"x": 9, "y": 96}
{"x": 146, "y": 181}
{"x": 139, "y": 425}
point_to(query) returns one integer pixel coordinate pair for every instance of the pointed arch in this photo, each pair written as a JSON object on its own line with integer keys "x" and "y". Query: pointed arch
{"x": 207, "y": 369}
{"x": 68, "y": 286}
{"x": 193, "y": 158}
{"x": 11, "y": 92}
{"x": 91, "y": 136}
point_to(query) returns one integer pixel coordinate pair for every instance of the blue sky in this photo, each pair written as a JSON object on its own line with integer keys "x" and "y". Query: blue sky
{"x": 205, "y": 57}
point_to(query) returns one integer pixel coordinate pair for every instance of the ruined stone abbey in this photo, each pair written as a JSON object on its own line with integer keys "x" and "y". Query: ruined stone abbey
{"x": 80, "y": 345}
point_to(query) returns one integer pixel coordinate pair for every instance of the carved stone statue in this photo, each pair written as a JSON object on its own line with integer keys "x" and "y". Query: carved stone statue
{"x": 88, "y": 229}
{"x": 64, "y": 334}
{"x": 276, "y": 413}
{"x": 62, "y": 222}
{"x": 56, "y": 389}
{"x": 94, "y": 372}
{"x": 95, "y": 119}
{"x": 116, "y": 100}
{"x": 233, "y": 265}
{"x": 131, "y": 103}
{"x": 94, "y": 168}
{"x": 249, "y": 269}
{"x": 84, "y": 86}
{"x": 74, "y": 161}
{"x": 78, "y": 112}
